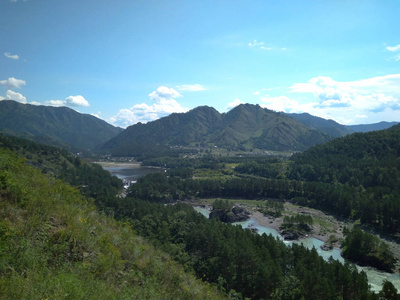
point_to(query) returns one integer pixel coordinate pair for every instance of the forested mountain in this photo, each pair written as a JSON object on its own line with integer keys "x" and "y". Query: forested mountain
{"x": 58, "y": 126}
{"x": 55, "y": 243}
{"x": 329, "y": 127}
{"x": 371, "y": 127}
{"x": 367, "y": 162}
{"x": 244, "y": 127}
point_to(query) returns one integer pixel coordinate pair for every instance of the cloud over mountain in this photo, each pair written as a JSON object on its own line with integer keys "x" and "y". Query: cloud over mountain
{"x": 11, "y": 95}
{"x": 343, "y": 101}
{"x": 77, "y": 100}
{"x": 164, "y": 103}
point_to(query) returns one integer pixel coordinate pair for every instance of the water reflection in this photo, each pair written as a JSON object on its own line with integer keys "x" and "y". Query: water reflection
{"x": 131, "y": 172}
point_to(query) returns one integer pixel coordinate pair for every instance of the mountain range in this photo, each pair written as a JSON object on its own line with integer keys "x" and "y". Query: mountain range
{"x": 57, "y": 126}
{"x": 244, "y": 127}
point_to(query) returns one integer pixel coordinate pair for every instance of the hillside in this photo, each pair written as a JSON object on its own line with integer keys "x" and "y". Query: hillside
{"x": 58, "y": 126}
{"x": 372, "y": 127}
{"x": 329, "y": 127}
{"x": 367, "y": 163}
{"x": 55, "y": 245}
{"x": 244, "y": 127}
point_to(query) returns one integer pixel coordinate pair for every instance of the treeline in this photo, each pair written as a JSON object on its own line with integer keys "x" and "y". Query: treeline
{"x": 90, "y": 179}
{"x": 239, "y": 261}
{"x": 366, "y": 161}
{"x": 338, "y": 198}
{"x": 364, "y": 248}
{"x": 361, "y": 171}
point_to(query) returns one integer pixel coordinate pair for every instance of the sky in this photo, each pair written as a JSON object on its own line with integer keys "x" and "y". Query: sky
{"x": 128, "y": 61}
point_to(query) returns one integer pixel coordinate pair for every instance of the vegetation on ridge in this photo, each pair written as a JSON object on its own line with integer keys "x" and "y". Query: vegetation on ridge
{"x": 54, "y": 244}
{"x": 57, "y": 126}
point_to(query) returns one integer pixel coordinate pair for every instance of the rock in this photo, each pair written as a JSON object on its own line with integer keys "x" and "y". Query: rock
{"x": 290, "y": 235}
{"x": 327, "y": 246}
{"x": 237, "y": 214}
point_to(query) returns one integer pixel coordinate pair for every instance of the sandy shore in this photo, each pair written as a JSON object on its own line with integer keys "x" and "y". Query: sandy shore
{"x": 119, "y": 164}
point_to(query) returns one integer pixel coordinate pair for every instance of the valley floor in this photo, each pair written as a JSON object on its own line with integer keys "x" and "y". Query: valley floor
{"x": 324, "y": 226}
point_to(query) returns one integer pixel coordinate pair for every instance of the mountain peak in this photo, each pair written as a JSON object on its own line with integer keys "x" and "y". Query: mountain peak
{"x": 59, "y": 126}
{"x": 244, "y": 127}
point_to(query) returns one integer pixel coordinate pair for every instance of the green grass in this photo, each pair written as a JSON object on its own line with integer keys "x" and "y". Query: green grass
{"x": 55, "y": 245}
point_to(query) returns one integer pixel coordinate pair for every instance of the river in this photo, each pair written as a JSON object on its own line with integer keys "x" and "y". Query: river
{"x": 131, "y": 172}
{"x": 375, "y": 277}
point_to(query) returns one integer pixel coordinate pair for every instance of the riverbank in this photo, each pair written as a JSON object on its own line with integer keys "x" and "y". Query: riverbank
{"x": 324, "y": 227}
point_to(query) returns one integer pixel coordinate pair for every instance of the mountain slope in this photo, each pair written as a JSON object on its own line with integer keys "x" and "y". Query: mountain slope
{"x": 371, "y": 127}
{"x": 244, "y": 127}
{"x": 55, "y": 245}
{"x": 368, "y": 163}
{"x": 59, "y": 126}
{"x": 329, "y": 127}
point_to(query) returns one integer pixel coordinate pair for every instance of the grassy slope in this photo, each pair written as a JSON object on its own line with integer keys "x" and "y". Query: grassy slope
{"x": 54, "y": 244}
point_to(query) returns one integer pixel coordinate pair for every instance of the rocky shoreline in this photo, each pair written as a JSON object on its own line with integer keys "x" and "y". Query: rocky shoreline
{"x": 317, "y": 230}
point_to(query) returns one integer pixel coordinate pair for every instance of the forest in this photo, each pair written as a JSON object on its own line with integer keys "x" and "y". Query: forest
{"x": 237, "y": 262}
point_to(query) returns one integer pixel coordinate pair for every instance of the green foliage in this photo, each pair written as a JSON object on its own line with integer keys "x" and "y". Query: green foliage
{"x": 222, "y": 204}
{"x": 273, "y": 208}
{"x": 368, "y": 162}
{"x": 54, "y": 244}
{"x": 232, "y": 258}
{"x": 366, "y": 249}
{"x": 389, "y": 292}
{"x": 299, "y": 219}
{"x": 91, "y": 180}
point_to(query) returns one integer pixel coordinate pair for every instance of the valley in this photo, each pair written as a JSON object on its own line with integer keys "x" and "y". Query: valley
{"x": 295, "y": 190}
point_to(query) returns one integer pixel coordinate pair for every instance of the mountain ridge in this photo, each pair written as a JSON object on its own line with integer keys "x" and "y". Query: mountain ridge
{"x": 58, "y": 126}
{"x": 244, "y": 127}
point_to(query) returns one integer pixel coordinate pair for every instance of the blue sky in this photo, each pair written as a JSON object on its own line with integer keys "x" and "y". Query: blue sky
{"x": 131, "y": 61}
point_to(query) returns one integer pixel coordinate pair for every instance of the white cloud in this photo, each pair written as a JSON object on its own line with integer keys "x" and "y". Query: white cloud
{"x": 164, "y": 93}
{"x": 164, "y": 104}
{"x": 77, "y": 100}
{"x": 393, "y": 49}
{"x": 2, "y": 98}
{"x": 69, "y": 101}
{"x": 191, "y": 87}
{"x": 11, "y": 95}
{"x": 13, "y": 83}
{"x": 55, "y": 102}
{"x": 233, "y": 104}
{"x": 369, "y": 94}
{"x": 376, "y": 98}
{"x": 256, "y": 44}
{"x": 11, "y": 56}
{"x": 262, "y": 46}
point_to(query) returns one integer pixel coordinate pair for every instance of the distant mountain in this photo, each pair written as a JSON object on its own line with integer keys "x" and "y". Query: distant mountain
{"x": 57, "y": 126}
{"x": 329, "y": 127}
{"x": 244, "y": 127}
{"x": 372, "y": 127}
